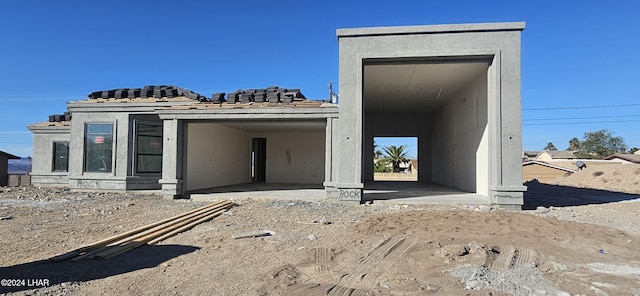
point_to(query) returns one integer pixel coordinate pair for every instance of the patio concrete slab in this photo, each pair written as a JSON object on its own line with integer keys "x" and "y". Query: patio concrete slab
{"x": 388, "y": 192}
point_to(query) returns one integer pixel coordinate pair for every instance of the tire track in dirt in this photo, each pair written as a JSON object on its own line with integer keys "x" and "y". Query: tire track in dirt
{"x": 504, "y": 257}
{"x": 503, "y": 260}
{"x": 371, "y": 267}
{"x": 323, "y": 257}
{"x": 526, "y": 257}
{"x": 310, "y": 289}
{"x": 488, "y": 293}
{"x": 360, "y": 279}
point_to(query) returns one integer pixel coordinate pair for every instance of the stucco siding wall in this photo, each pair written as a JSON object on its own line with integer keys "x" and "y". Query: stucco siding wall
{"x": 544, "y": 157}
{"x": 116, "y": 178}
{"x": 42, "y": 164}
{"x": 460, "y": 141}
{"x": 216, "y": 156}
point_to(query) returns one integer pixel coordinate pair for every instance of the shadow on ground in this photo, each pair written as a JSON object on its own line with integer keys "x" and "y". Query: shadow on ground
{"x": 546, "y": 195}
{"x": 419, "y": 192}
{"x": 86, "y": 270}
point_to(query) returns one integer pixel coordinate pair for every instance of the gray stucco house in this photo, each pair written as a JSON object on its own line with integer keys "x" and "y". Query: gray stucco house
{"x": 457, "y": 88}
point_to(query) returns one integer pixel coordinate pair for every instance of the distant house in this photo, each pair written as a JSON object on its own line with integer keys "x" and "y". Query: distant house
{"x": 555, "y": 155}
{"x": 406, "y": 167}
{"x": 414, "y": 166}
{"x": 4, "y": 166}
{"x": 529, "y": 155}
{"x": 542, "y": 171}
{"x": 410, "y": 166}
{"x": 624, "y": 158}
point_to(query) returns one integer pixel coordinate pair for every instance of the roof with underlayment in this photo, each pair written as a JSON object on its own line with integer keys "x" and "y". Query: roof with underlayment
{"x": 271, "y": 94}
{"x": 269, "y": 97}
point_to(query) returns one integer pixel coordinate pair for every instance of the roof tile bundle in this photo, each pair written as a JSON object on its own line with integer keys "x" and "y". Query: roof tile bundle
{"x": 148, "y": 92}
{"x": 60, "y": 117}
{"x": 271, "y": 94}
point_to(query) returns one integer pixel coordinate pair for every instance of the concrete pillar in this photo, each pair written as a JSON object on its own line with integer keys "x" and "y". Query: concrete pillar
{"x": 505, "y": 144}
{"x": 173, "y": 154}
{"x": 328, "y": 154}
{"x": 425, "y": 153}
{"x": 368, "y": 158}
{"x": 349, "y": 184}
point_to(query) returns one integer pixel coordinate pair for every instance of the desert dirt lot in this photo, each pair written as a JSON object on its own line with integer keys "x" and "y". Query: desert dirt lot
{"x": 567, "y": 241}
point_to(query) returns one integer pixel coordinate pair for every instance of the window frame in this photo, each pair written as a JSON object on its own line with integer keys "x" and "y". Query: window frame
{"x": 136, "y": 145}
{"x": 110, "y": 163}
{"x": 54, "y": 157}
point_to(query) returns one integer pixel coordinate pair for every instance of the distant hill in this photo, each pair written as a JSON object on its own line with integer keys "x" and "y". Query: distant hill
{"x": 20, "y": 166}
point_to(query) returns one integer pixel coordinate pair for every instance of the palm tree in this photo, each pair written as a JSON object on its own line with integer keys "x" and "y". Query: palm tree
{"x": 574, "y": 144}
{"x": 377, "y": 154}
{"x": 379, "y": 162}
{"x": 396, "y": 155}
{"x": 550, "y": 147}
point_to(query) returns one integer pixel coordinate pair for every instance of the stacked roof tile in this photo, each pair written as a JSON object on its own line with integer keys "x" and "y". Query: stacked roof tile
{"x": 60, "y": 117}
{"x": 149, "y": 91}
{"x": 271, "y": 94}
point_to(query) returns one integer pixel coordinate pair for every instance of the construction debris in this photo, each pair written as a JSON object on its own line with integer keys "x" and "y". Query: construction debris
{"x": 149, "y": 235}
{"x": 253, "y": 234}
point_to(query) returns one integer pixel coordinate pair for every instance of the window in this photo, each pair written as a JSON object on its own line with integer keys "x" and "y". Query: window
{"x": 98, "y": 147}
{"x": 60, "y": 156}
{"x": 148, "y": 148}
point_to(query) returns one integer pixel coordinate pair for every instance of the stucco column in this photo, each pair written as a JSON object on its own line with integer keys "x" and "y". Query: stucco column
{"x": 172, "y": 158}
{"x": 349, "y": 184}
{"x": 328, "y": 154}
{"x": 504, "y": 97}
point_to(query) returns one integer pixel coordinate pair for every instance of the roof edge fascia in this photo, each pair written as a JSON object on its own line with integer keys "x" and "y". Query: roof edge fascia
{"x": 430, "y": 29}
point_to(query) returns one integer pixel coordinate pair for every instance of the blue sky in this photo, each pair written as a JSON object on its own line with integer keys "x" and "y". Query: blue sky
{"x": 576, "y": 55}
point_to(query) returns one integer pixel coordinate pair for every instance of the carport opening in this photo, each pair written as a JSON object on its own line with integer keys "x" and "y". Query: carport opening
{"x": 394, "y": 159}
{"x": 442, "y": 102}
{"x": 265, "y": 153}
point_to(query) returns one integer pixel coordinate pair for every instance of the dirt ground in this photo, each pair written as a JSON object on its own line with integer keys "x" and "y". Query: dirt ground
{"x": 567, "y": 241}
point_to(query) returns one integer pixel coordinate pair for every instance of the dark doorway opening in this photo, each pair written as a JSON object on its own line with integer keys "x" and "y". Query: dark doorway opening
{"x": 258, "y": 160}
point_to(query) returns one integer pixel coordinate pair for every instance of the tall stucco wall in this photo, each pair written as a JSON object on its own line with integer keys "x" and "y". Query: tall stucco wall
{"x": 217, "y": 155}
{"x": 460, "y": 140}
{"x": 294, "y": 158}
{"x": 354, "y": 50}
{"x": 498, "y": 41}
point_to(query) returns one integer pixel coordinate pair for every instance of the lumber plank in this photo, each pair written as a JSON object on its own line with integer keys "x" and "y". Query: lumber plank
{"x": 183, "y": 228}
{"x": 151, "y": 236}
{"x": 224, "y": 205}
{"x": 126, "y": 236}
